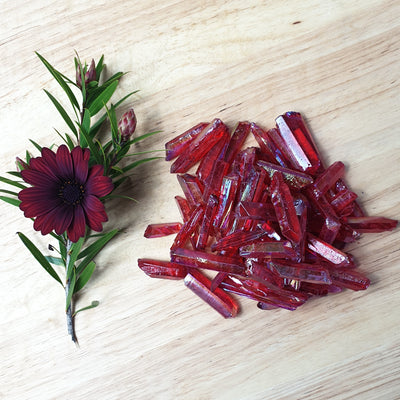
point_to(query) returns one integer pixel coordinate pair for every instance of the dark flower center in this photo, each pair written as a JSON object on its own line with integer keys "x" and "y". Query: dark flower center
{"x": 71, "y": 192}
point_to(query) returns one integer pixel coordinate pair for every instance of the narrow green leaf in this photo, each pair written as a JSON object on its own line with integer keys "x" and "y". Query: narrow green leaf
{"x": 94, "y": 304}
{"x": 115, "y": 134}
{"x": 119, "y": 181}
{"x": 38, "y": 147}
{"x": 28, "y": 156}
{"x": 62, "y": 112}
{"x": 74, "y": 252}
{"x": 39, "y": 256}
{"x": 138, "y": 162}
{"x": 85, "y": 276}
{"x": 15, "y": 173}
{"x": 55, "y": 260}
{"x": 11, "y": 200}
{"x": 8, "y": 192}
{"x": 94, "y": 151}
{"x": 103, "y": 98}
{"x": 119, "y": 196}
{"x": 71, "y": 290}
{"x": 118, "y": 169}
{"x": 99, "y": 67}
{"x": 60, "y": 79}
{"x": 67, "y": 139}
{"x": 146, "y": 135}
{"x": 85, "y": 127}
{"x": 91, "y": 251}
{"x": 13, "y": 183}
{"x": 144, "y": 152}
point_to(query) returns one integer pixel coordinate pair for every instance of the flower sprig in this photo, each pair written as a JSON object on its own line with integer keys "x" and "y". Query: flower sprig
{"x": 64, "y": 191}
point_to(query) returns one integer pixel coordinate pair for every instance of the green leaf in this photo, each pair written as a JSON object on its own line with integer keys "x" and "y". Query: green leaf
{"x": 62, "y": 112}
{"x": 91, "y": 251}
{"x": 71, "y": 290}
{"x": 13, "y": 183}
{"x": 94, "y": 304}
{"x": 60, "y": 79}
{"x": 85, "y": 127}
{"x": 55, "y": 260}
{"x": 11, "y": 200}
{"x": 67, "y": 139}
{"x": 94, "y": 151}
{"x": 39, "y": 256}
{"x": 15, "y": 173}
{"x": 114, "y": 124}
{"x": 138, "y": 162}
{"x": 119, "y": 196}
{"x": 119, "y": 181}
{"x": 8, "y": 192}
{"x": 36, "y": 145}
{"x": 103, "y": 98}
{"x": 85, "y": 276}
{"x": 99, "y": 67}
{"x": 146, "y": 135}
{"x": 74, "y": 252}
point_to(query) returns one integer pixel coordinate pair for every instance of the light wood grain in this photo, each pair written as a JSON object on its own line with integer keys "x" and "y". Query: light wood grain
{"x": 338, "y": 63}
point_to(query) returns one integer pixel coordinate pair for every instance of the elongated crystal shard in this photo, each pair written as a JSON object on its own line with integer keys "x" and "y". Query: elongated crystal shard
{"x": 349, "y": 279}
{"x": 206, "y": 225}
{"x": 284, "y": 208}
{"x": 217, "y": 299}
{"x": 256, "y": 210}
{"x": 267, "y": 146}
{"x": 328, "y": 252}
{"x": 371, "y": 224}
{"x": 273, "y": 250}
{"x": 237, "y": 239}
{"x": 179, "y": 144}
{"x": 238, "y": 138}
{"x": 162, "y": 269}
{"x": 342, "y": 200}
{"x": 300, "y": 147}
{"x": 293, "y": 178}
{"x": 192, "y": 188}
{"x": 199, "y": 146}
{"x": 213, "y": 183}
{"x": 229, "y": 187}
{"x": 188, "y": 227}
{"x": 159, "y": 230}
{"x": 302, "y": 272}
{"x": 328, "y": 178}
{"x": 184, "y": 207}
{"x": 214, "y": 262}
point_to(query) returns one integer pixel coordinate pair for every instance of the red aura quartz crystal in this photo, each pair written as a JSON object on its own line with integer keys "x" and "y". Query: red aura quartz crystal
{"x": 238, "y": 138}
{"x": 178, "y": 145}
{"x": 302, "y": 272}
{"x": 284, "y": 208}
{"x": 217, "y": 299}
{"x": 299, "y": 142}
{"x": 162, "y": 269}
{"x": 371, "y": 224}
{"x": 204, "y": 260}
{"x": 273, "y": 250}
{"x": 328, "y": 178}
{"x": 159, "y": 230}
{"x": 293, "y": 178}
{"x": 206, "y": 225}
{"x": 271, "y": 221}
{"x": 192, "y": 189}
{"x": 202, "y": 143}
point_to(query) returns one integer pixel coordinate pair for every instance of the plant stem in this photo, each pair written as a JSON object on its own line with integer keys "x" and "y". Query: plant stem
{"x": 70, "y": 317}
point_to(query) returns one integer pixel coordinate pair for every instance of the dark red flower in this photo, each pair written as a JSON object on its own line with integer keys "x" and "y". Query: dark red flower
{"x": 65, "y": 192}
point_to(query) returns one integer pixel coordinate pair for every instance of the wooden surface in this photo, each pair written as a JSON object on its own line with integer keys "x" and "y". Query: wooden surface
{"x": 338, "y": 63}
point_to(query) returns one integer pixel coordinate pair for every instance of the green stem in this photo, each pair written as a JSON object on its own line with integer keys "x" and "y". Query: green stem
{"x": 70, "y": 316}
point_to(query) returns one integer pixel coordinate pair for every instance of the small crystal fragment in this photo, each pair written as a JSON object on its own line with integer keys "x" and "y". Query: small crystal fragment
{"x": 159, "y": 230}
{"x": 328, "y": 178}
{"x": 349, "y": 279}
{"x": 284, "y": 208}
{"x": 218, "y": 299}
{"x": 162, "y": 269}
{"x": 178, "y": 145}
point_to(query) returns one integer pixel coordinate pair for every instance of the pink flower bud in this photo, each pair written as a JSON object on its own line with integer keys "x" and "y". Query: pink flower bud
{"x": 90, "y": 74}
{"x": 127, "y": 125}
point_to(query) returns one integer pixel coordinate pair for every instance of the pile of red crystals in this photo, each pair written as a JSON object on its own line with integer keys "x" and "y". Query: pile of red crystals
{"x": 270, "y": 221}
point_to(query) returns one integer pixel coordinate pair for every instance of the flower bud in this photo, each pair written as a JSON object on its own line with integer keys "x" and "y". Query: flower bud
{"x": 90, "y": 74}
{"x": 127, "y": 125}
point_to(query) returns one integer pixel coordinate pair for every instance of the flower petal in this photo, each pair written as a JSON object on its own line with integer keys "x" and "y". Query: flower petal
{"x": 64, "y": 162}
{"x": 99, "y": 185}
{"x": 95, "y": 213}
{"x": 39, "y": 164}
{"x": 80, "y": 160}
{"x": 45, "y": 223}
{"x": 78, "y": 225}
{"x": 63, "y": 219}
{"x": 96, "y": 170}
{"x": 36, "y": 178}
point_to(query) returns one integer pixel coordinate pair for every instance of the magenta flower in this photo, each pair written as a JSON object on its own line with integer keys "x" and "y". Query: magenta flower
{"x": 65, "y": 192}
